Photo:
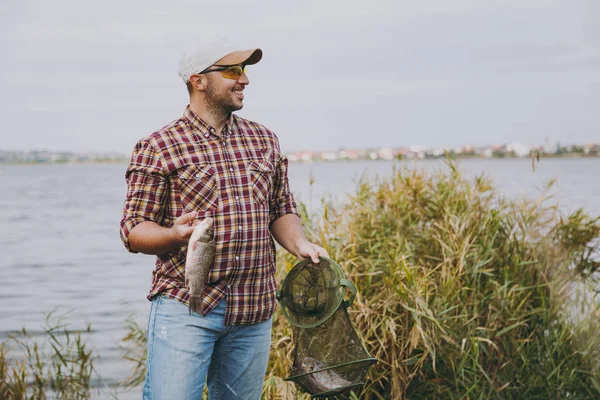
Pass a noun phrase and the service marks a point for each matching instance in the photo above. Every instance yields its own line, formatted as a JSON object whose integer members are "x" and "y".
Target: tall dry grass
{"x": 462, "y": 294}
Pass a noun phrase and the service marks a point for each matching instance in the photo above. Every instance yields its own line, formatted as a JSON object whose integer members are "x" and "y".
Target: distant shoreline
{"x": 455, "y": 156}
{"x": 63, "y": 162}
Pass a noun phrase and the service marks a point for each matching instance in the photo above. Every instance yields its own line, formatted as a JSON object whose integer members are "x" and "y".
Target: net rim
{"x": 341, "y": 281}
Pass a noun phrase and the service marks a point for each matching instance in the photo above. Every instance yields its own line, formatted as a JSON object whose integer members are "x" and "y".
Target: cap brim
{"x": 246, "y": 57}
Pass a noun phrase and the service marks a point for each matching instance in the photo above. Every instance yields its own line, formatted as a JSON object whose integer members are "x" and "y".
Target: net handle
{"x": 349, "y": 286}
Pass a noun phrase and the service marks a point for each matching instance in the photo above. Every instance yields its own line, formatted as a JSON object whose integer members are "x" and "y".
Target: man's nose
{"x": 244, "y": 79}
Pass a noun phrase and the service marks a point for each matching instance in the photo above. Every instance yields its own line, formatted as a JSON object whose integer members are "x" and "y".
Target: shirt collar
{"x": 205, "y": 129}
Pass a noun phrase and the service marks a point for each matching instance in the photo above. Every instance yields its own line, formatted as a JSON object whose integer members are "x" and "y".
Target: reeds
{"x": 61, "y": 366}
{"x": 463, "y": 294}
{"x": 134, "y": 350}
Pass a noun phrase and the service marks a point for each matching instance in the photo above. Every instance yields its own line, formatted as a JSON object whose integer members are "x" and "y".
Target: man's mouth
{"x": 239, "y": 94}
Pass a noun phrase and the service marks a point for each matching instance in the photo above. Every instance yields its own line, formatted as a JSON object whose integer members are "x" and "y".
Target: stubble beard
{"x": 219, "y": 103}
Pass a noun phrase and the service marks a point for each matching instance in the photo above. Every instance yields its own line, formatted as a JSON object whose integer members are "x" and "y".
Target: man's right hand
{"x": 183, "y": 227}
{"x": 150, "y": 238}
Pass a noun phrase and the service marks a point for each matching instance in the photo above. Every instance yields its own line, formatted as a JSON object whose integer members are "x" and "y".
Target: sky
{"x": 98, "y": 76}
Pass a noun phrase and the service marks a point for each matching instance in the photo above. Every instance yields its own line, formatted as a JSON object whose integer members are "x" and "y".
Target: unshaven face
{"x": 224, "y": 95}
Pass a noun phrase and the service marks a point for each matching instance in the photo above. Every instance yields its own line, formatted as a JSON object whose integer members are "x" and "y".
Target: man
{"x": 210, "y": 162}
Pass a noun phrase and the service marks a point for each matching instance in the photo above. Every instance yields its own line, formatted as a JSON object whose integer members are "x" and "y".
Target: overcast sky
{"x": 97, "y": 76}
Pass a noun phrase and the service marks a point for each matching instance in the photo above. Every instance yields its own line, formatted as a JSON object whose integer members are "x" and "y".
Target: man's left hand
{"x": 312, "y": 251}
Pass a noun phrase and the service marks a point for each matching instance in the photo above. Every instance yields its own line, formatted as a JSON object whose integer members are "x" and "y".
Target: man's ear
{"x": 198, "y": 82}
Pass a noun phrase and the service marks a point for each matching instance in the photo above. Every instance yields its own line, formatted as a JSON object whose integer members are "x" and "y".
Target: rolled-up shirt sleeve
{"x": 282, "y": 201}
{"x": 146, "y": 186}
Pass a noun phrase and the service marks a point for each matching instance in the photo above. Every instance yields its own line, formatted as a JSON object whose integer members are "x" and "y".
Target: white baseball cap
{"x": 203, "y": 53}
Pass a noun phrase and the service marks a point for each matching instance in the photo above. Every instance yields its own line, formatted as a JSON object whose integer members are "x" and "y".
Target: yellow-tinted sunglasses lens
{"x": 233, "y": 72}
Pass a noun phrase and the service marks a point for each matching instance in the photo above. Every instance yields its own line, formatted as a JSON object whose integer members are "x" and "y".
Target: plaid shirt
{"x": 239, "y": 179}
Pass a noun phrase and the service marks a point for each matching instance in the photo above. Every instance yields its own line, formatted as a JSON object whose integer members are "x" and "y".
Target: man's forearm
{"x": 287, "y": 231}
{"x": 150, "y": 238}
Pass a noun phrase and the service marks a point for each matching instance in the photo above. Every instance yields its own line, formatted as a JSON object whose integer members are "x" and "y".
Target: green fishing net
{"x": 329, "y": 357}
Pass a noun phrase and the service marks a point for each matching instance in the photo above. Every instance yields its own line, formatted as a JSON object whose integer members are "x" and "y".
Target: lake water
{"x": 61, "y": 250}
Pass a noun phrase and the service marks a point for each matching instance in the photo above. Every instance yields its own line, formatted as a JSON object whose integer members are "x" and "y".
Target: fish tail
{"x": 195, "y": 303}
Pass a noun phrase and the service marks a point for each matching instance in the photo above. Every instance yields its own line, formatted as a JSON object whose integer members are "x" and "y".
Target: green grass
{"x": 61, "y": 366}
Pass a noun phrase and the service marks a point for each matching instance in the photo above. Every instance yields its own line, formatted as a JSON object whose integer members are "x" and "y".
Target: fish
{"x": 199, "y": 259}
{"x": 319, "y": 380}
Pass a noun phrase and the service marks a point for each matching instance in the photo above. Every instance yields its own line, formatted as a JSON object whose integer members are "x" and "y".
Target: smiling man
{"x": 211, "y": 163}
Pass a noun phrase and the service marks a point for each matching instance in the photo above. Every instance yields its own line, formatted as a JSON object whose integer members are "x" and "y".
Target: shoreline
{"x": 455, "y": 157}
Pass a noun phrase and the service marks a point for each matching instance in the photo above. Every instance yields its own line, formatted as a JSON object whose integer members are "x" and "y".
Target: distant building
{"x": 591, "y": 149}
{"x": 385, "y": 153}
{"x": 349, "y": 154}
{"x": 520, "y": 150}
{"x": 550, "y": 147}
{"x": 306, "y": 156}
{"x": 438, "y": 152}
{"x": 329, "y": 156}
{"x": 292, "y": 157}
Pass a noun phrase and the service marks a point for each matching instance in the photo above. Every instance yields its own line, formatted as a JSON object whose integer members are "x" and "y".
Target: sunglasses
{"x": 229, "y": 72}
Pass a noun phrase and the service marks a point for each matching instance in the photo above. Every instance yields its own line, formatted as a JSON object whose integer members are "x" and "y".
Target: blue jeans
{"x": 186, "y": 349}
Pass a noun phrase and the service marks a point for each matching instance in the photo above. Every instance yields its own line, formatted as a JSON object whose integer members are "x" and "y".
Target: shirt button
{"x": 231, "y": 169}
{"x": 240, "y": 228}
{"x": 198, "y": 176}
{"x": 237, "y": 258}
{"x": 228, "y": 286}
{"x": 237, "y": 197}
